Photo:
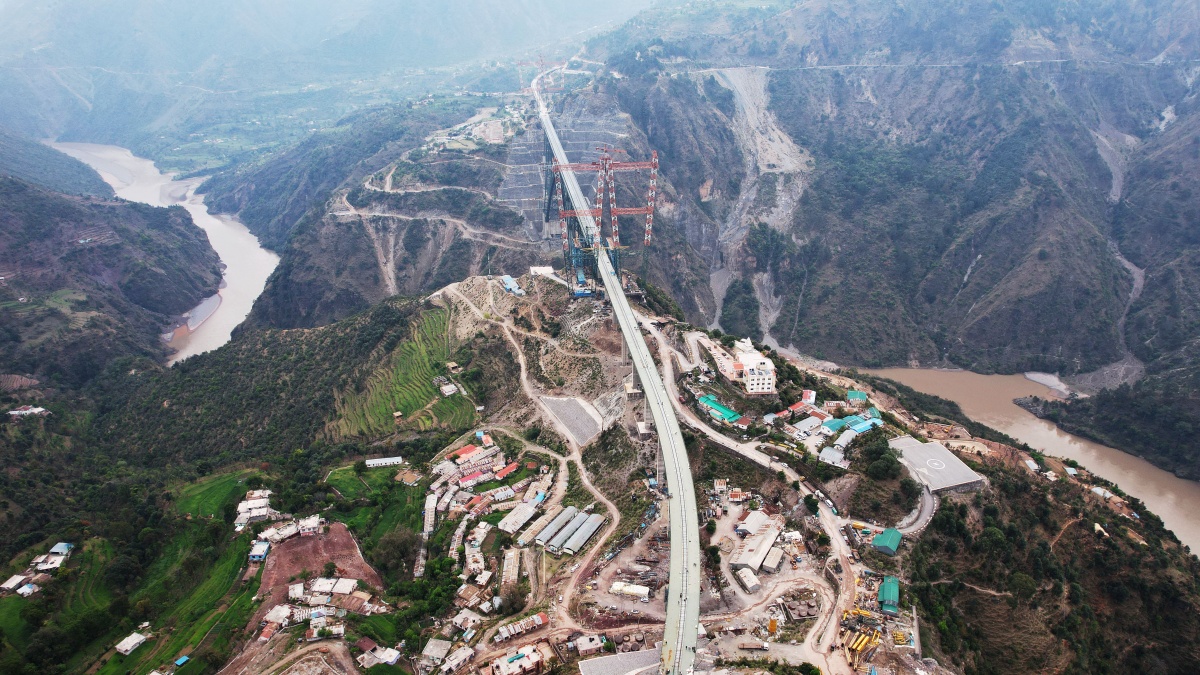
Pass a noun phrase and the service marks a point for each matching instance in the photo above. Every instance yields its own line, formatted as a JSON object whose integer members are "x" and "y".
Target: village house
{"x": 524, "y": 661}
{"x": 588, "y": 644}
{"x": 27, "y": 411}
{"x": 133, "y": 641}
{"x": 457, "y": 659}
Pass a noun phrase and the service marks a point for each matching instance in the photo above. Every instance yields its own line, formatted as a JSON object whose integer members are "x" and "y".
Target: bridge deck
{"x": 683, "y": 591}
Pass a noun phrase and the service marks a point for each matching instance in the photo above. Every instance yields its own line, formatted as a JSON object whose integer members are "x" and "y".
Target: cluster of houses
{"x": 819, "y": 420}
{"x": 254, "y": 508}
{"x": 746, "y": 366}
{"x": 40, "y": 571}
{"x": 323, "y": 602}
{"x": 522, "y": 627}
{"x": 524, "y": 660}
{"x": 304, "y": 527}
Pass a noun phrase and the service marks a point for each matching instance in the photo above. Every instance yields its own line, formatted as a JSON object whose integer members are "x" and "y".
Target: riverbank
{"x": 210, "y": 324}
{"x": 989, "y": 400}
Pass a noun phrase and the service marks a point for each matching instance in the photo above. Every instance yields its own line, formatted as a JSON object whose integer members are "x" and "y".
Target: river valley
{"x": 988, "y": 399}
{"x": 247, "y": 264}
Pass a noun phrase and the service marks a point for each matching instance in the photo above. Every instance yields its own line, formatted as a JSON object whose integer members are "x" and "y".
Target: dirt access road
{"x": 262, "y": 658}
{"x": 819, "y": 640}
{"x": 561, "y": 617}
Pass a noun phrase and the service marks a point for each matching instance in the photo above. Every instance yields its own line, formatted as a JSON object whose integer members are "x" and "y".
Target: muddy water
{"x": 247, "y": 264}
{"x": 988, "y": 399}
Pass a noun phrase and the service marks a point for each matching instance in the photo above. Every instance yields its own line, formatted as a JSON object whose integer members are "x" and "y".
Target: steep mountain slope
{"x": 272, "y": 194}
{"x": 33, "y": 162}
{"x": 944, "y": 184}
{"x": 86, "y": 280}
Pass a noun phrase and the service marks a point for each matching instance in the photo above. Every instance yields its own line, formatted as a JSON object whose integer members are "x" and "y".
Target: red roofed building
{"x": 470, "y": 479}
{"x": 464, "y": 450}
{"x": 809, "y": 396}
{"x": 366, "y": 644}
{"x": 507, "y": 471}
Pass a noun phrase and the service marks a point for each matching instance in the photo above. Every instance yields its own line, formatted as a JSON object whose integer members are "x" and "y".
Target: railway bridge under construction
{"x": 683, "y": 589}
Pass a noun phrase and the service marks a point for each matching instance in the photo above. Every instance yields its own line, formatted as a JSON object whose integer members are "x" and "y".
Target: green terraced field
{"x": 350, "y": 487}
{"x": 404, "y": 511}
{"x": 89, "y": 590}
{"x": 208, "y": 497}
{"x": 405, "y": 384}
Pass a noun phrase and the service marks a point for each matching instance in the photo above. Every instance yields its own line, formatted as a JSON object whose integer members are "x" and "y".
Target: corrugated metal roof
{"x": 557, "y": 524}
{"x": 560, "y": 539}
{"x": 889, "y": 591}
{"x": 834, "y": 424}
{"x": 888, "y": 539}
{"x": 583, "y": 534}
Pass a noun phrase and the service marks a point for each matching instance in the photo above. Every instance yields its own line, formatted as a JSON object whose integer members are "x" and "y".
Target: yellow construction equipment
{"x": 858, "y": 643}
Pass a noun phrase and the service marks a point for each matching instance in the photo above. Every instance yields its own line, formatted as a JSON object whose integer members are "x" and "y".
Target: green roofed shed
{"x": 887, "y": 541}
{"x": 889, "y": 596}
{"x": 709, "y": 401}
{"x": 856, "y": 395}
{"x": 834, "y": 424}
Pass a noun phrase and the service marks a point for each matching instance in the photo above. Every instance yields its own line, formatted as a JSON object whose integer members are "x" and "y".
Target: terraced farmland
{"x": 405, "y": 384}
{"x": 216, "y": 605}
{"x": 89, "y": 590}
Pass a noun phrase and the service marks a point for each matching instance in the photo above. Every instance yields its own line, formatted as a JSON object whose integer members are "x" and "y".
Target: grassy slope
{"x": 209, "y": 496}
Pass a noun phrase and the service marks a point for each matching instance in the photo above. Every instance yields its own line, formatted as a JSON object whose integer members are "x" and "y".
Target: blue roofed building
{"x": 866, "y": 425}
{"x": 511, "y": 285}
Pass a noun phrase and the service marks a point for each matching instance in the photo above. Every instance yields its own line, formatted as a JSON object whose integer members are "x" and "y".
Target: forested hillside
{"x": 33, "y": 162}
{"x": 86, "y": 280}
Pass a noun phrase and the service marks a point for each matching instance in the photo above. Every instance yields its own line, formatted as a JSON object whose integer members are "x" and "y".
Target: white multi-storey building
{"x": 757, "y": 371}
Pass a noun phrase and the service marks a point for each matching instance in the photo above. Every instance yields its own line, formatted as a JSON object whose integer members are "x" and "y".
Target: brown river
{"x": 988, "y": 399}
{"x": 247, "y": 264}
